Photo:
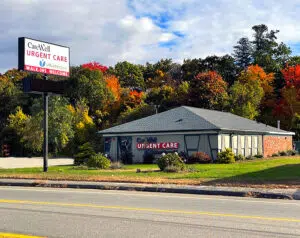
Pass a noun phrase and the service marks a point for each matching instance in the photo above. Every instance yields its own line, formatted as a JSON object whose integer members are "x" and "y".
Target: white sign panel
{"x": 42, "y": 57}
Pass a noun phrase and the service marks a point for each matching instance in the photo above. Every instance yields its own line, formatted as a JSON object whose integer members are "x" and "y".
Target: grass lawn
{"x": 279, "y": 172}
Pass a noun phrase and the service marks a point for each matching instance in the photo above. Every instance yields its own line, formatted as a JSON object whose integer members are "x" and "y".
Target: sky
{"x": 140, "y": 31}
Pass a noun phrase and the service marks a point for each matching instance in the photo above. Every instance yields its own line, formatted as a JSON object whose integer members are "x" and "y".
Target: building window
{"x": 243, "y": 145}
{"x": 219, "y": 143}
{"x": 235, "y": 145}
{"x": 226, "y": 141}
{"x": 249, "y": 141}
{"x": 255, "y": 145}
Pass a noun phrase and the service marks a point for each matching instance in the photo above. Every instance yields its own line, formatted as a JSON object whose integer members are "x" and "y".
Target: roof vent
{"x": 179, "y": 120}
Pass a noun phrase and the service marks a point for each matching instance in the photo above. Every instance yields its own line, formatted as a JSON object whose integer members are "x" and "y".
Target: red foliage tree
{"x": 95, "y": 66}
{"x": 208, "y": 90}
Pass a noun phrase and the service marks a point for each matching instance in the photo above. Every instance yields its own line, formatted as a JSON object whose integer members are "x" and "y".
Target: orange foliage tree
{"x": 113, "y": 84}
{"x": 255, "y": 72}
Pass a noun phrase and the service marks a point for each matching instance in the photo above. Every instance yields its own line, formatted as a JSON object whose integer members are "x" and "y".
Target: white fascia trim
{"x": 163, "y": 133}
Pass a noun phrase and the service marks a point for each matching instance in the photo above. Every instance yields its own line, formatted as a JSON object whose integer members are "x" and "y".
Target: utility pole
{"x": 45, "y": 146}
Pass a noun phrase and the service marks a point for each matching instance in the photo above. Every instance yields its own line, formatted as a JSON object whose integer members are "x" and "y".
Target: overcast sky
{"x": 108, "y": 31}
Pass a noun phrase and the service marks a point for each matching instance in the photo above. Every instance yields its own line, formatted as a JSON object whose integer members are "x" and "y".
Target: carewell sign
{"x": 43, "y": 57}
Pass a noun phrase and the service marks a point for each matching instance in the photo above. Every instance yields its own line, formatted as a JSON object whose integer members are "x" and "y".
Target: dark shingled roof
{"x": 193, "y": 119}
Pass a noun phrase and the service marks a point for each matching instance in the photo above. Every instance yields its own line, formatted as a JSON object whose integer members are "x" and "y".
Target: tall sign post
{"x": 49, "y": 59}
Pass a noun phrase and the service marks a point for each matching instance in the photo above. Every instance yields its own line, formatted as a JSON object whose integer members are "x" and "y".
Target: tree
{"x": 95, "y": 66}
{"x": 130, "y": 75}
{"x": 289, "y": 104}
{"x": 243, "y": 53}
{"x": 113, "y": 84}
{"x": 89, "y": 86}
{"x": 267, "y": 53}
{"x": 223, "y": 65}
{"x": 256, "y": 73}
{"x": 245, "y": 98}
{"x": 208, "y": 90}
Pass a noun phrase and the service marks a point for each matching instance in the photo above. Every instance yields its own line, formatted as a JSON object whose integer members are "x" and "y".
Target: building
{"x": 189, "y": 129}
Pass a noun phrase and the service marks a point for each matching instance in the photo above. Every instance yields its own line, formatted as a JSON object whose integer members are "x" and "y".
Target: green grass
{"x": 275, "y": 170}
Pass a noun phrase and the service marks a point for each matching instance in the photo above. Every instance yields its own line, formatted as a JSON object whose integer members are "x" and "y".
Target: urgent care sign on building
{"x": 43, "y": 57}
{"x": 157, "y": 146}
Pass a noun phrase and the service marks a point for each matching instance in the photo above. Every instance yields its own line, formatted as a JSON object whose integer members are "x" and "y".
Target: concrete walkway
{"x": 13, "y": 162}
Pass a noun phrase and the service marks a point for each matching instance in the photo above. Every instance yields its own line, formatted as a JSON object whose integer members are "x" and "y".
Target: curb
{"x": 200, "y": 190}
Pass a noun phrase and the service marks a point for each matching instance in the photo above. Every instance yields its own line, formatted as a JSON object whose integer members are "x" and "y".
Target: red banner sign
{"x": 157, "y": 146}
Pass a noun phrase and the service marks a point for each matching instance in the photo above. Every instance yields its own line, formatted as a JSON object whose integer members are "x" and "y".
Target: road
{"x": 51, "y": 212}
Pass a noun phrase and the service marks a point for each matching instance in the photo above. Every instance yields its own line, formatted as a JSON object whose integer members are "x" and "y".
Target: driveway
{"x": 13, "y": 162}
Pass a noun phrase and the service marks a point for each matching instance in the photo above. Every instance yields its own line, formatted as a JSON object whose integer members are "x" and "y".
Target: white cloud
{"x": 110, "y": 31}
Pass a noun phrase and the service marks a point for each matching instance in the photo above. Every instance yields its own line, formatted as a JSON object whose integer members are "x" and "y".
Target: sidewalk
{"x": 24, "y": 162}
{"x": 204, "y": 190}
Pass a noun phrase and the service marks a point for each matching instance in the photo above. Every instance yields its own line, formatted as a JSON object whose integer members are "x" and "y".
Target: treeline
{"x": 260, "y": 81}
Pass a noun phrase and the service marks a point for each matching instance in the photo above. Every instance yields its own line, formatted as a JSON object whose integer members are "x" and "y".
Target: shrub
{"x": 98, "y": 161}
{"x": 171, "y": 159}
{"x": 275, "y": 155}
{"x": 283, "y": 153}
{"x": 225, "y": 157}
{"x": 258, "y": 156}
{"x": 239, "y": 157}
{"x": 85, "y": 151}
{"x": 116, "y": 165}
{"x": 250, "y": 157}
{"x": 292, "y": 152}
{"x": 172, "y": 169}
{"x": 199, "y": 158}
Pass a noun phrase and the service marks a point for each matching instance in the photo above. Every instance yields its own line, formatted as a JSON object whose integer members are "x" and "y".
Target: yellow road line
{"x": 148, "y": 210}
{"x": 11, "y": 235}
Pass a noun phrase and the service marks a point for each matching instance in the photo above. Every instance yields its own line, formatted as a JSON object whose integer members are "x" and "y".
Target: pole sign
{"x": 43, "y": 57}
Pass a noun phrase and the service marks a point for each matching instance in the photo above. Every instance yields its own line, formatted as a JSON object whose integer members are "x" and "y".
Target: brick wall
{"x": 273, "y": 144}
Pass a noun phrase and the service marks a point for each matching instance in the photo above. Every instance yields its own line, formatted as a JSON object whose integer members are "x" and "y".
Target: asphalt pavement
{"x": 55, "y": 212}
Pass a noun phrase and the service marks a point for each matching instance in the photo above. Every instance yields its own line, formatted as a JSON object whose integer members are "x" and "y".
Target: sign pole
{"x": 45, "y": 149}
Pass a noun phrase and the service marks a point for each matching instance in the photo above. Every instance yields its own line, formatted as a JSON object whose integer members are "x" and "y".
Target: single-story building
{"x": 188, "y": 129}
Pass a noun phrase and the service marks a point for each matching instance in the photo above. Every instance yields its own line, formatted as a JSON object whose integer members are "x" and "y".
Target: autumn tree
{"x": 289, "y": 105}
{"x": 95, "y": 66}
{"x": 208, "y": 90}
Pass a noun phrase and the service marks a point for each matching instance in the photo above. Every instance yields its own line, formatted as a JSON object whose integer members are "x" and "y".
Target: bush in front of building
{"x": 258, "y": 156}
{"x": 169, "y": 161}
{"x": 85, "y": 151}
{"x": 199, "y": 158}
{"x": 116, "y": 165}
{"x": 292, "y": 152}
{"x": 98, "y": 161}
{"x": 239, "y": 157}
{"x": 225, "y": 157}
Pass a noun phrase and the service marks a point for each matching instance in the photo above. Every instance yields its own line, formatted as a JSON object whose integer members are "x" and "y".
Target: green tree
{"x": 267, "y": 53}
{"x": 130, "y": 75}
{"x": 245, "y": 98}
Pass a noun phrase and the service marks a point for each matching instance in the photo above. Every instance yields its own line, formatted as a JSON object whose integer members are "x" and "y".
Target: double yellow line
{"x": 147, "y": 210}
{"x": 12, "y": 235}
